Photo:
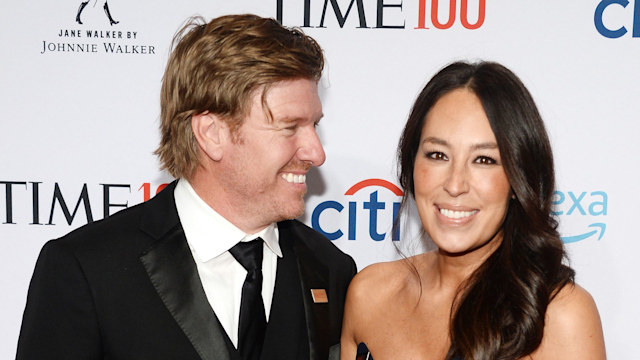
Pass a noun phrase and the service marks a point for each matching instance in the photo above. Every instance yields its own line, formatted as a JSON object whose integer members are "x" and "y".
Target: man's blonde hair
{"x": 215, "y": 67}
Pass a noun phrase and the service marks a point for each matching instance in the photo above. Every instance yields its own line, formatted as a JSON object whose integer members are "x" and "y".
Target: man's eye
{"x": 485, "y": 160}
{"x": 436, "y": 155}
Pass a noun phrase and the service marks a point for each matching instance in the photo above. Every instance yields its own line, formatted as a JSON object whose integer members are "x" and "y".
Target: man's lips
{"x": 294, "y": 178}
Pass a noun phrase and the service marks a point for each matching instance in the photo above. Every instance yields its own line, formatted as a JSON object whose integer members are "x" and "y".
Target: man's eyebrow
{"x": 292, "y": 119}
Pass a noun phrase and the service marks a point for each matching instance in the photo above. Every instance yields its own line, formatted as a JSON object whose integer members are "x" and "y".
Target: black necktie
{"x": 253, "y": 321}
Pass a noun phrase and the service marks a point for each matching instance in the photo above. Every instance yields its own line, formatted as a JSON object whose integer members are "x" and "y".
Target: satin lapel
{"x": 313, "y": 275}
{"x": 174, "y": 275}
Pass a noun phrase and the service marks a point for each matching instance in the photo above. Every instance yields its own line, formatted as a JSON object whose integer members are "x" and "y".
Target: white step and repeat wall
{"x": 79, "y": 111}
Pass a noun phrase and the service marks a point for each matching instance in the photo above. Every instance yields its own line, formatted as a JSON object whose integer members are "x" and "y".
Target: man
{"x": 169, "y": 278}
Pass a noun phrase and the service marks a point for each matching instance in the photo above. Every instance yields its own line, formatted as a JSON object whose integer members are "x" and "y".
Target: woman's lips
{"x": 457, "y": 216}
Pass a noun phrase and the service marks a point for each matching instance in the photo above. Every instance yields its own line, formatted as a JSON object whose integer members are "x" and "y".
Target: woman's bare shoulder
{"x": 572, "y": 327}
{"x": 375, "y": 296}
{"x": 386, "y": 285}
{"x": 381, "y": 308}
{"x": 382, "y": 278}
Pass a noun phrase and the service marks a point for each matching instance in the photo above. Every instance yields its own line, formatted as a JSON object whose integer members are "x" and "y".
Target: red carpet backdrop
{"x": 79, "y": 108}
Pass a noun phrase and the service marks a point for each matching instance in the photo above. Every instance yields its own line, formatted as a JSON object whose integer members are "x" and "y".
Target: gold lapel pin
{"x": 319, "y": 296}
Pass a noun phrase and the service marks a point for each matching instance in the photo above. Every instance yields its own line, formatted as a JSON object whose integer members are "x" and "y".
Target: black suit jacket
{"x": 127, "y": 288}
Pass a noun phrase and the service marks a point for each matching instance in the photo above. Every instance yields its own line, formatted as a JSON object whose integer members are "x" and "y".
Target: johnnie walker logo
{"x": 91, "y": 36}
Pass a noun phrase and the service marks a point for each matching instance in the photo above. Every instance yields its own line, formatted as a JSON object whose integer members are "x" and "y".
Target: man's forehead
{"x": 289, "y": 101}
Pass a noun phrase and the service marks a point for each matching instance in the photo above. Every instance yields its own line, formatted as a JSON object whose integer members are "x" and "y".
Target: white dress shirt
{"x": 210, "y": 236}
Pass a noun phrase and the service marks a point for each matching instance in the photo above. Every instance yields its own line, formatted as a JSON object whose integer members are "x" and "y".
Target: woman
{"x": 475, "y": 156}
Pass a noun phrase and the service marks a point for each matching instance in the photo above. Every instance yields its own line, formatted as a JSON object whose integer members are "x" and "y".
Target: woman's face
{"x": 461, "y": 189}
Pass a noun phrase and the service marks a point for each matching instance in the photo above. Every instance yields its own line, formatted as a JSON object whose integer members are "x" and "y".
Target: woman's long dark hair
{"x": 500, "y": 311}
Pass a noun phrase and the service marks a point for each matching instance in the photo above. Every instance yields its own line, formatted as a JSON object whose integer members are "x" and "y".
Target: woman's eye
{"x": 436, "y": 155}
{"x": 485, "y": 160}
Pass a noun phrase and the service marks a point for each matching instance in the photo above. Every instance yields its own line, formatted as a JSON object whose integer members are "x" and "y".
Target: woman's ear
{"x": 208, "y": 130}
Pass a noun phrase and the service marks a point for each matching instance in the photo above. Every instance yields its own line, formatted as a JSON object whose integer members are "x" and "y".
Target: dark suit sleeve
{"x": 344, "y": 274}
{"x": 59, "y": 320}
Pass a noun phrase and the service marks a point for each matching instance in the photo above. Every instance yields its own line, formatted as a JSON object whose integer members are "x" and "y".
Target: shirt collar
{"x": 208, "y": 233}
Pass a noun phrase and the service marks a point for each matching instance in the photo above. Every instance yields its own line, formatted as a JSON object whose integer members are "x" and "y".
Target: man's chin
{"x": 293, "y": 211}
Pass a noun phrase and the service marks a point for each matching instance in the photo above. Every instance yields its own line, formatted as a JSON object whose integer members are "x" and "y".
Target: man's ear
{"x": 210, "y": 132}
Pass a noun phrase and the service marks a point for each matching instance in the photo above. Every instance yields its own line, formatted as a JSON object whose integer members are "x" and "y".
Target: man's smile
{"x": 294, "y": 178}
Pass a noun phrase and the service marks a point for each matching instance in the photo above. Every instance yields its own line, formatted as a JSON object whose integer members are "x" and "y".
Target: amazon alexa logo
{"x": 375, "y": 201}
{"x": 583, "y": 212}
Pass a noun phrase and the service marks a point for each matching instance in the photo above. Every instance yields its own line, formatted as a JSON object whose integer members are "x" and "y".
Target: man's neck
{"x": 214, "y": 195}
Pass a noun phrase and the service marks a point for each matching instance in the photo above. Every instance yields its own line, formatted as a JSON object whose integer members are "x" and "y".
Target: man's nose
{"x": 311, "y": 149}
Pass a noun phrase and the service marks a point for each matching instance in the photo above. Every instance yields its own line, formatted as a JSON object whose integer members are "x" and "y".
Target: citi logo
{"x": 612, "y": 30}
{"x": 589, "y": 207}
{"x": 388, "y": 15}
{"x": 364, "y": 202}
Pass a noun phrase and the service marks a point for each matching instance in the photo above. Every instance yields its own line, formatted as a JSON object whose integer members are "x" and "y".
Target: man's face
{"x": 266, "y": 166}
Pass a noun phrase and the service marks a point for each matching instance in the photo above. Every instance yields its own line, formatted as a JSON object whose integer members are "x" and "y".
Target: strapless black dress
{"x": 363, "y": 353}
